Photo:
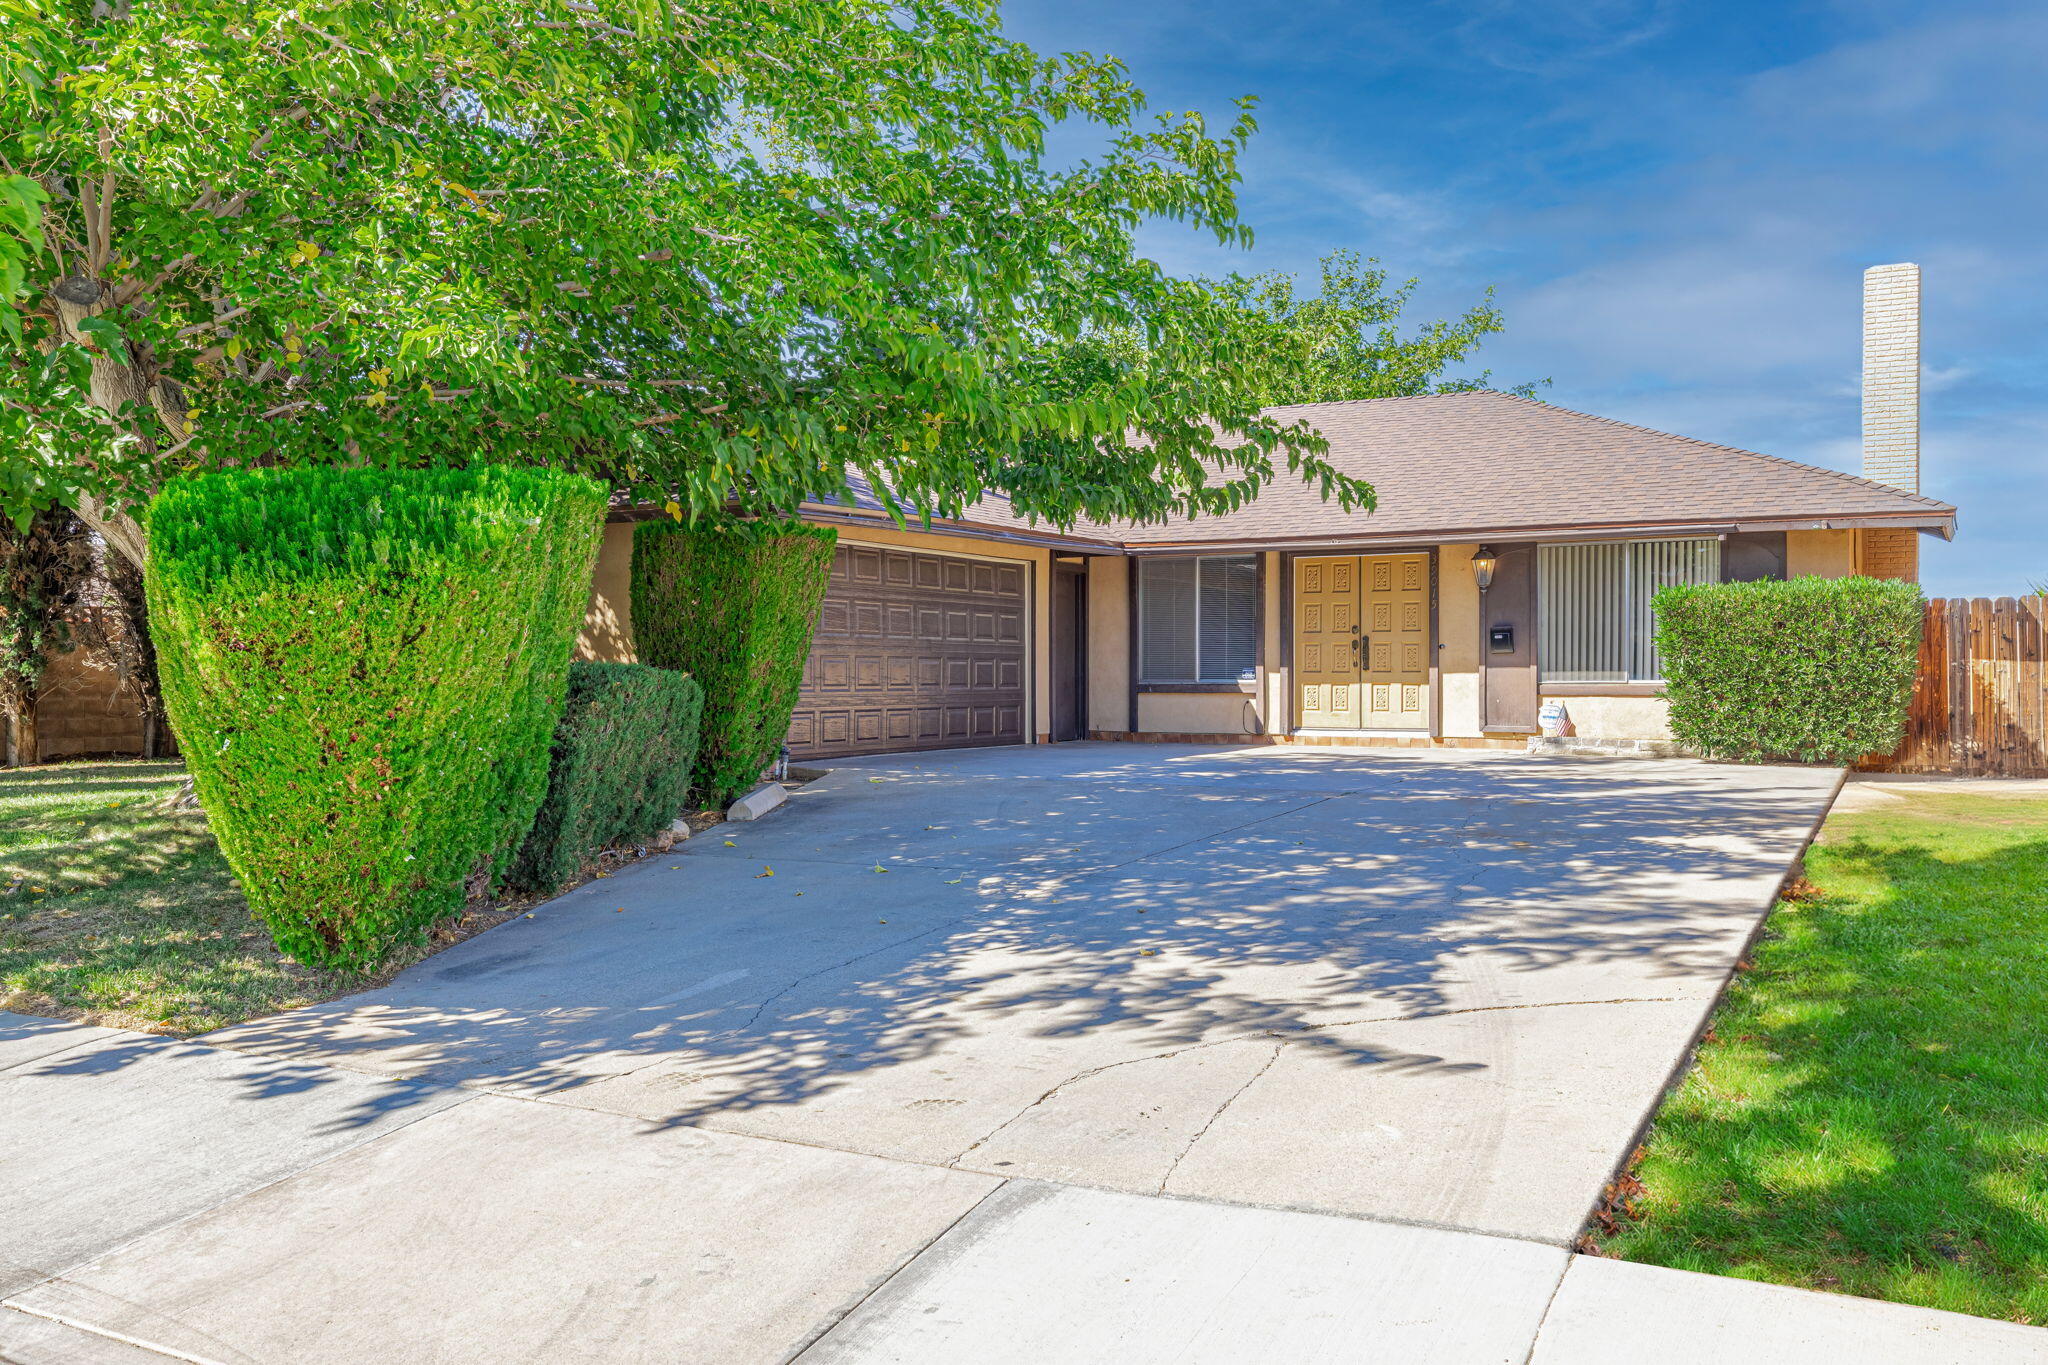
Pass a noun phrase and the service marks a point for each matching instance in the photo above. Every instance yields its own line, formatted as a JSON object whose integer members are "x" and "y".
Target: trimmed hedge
{"x": 619, "y": 771}
{"x": 1814, "y": 670}
{"x": 733, "y": 604}
{"x": 365, "y": 667}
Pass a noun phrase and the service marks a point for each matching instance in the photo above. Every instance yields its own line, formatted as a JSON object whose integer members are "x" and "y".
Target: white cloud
{"x": 1553, "y": 40}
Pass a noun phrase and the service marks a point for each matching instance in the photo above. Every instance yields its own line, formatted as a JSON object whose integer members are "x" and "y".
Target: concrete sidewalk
{"x": 350, "y": 1219}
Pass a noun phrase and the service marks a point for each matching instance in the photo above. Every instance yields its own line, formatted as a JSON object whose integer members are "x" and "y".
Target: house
{"x": 1510, "y": 561}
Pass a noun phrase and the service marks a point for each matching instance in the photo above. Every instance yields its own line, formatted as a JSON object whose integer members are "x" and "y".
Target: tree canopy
{"x": 1345, "y": 341}
{"x": 703, "y": 249}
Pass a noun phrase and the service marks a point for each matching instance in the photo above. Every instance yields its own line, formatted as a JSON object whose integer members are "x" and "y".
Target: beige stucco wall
{"x": 1618, "y": 717}
{"x": 607, "y": 635}
{"x": 1828, "y": 554}
{"x": 1198, "y": 713}
{"x": 1109, "y": 643}
{"x": 1457, "y": 613}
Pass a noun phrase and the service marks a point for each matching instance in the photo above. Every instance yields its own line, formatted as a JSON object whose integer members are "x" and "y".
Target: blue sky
{"x": 1675, "y": 201}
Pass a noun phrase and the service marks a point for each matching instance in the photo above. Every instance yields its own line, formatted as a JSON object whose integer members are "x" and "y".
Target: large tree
{"x": 704, "y": 249}
{"x": 1346, "y": 340}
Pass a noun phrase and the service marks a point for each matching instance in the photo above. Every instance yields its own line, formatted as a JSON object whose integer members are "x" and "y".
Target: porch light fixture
{"x": 1483, "y": 561}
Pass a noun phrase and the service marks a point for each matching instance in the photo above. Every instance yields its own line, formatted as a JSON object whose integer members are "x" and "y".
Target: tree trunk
{"x": 126, "y": 384}
{"x": 24, "y": 742}
{"x": 122, "y": 533}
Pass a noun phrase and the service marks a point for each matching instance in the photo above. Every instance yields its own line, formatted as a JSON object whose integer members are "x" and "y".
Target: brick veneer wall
{"x": 85, "y": 709}
{"x": 1891, "y": 376}
{"x": 1890, "y": 554}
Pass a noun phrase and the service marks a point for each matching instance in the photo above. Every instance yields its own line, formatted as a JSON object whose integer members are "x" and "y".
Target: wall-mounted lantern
{"x": 1483, "y": 562}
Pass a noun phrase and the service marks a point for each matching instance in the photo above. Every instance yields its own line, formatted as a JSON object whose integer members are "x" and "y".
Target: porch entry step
{"x": 1304, "y": 733}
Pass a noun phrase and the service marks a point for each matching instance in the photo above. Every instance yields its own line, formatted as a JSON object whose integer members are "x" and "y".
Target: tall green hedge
{"x": 365, "y": 668}
{"x": 620, "y": 768}
{"x": 1815, "y": 670}
{"x": 733, "y": 604}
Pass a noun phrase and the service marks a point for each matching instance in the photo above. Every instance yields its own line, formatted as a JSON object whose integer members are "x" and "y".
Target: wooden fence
{"x": 1980, "y": 706}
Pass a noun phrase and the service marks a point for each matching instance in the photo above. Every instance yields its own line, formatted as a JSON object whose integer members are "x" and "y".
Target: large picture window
{"x": 1594, "y": 605}
{"x": 1198, "y": 619}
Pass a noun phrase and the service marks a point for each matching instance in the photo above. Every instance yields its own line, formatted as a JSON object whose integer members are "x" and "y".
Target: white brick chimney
{"x": 1891, "y": 375}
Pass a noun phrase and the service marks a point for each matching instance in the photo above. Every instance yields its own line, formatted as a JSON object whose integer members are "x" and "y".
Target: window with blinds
{"x": 1198, "y": 619}
{"x": 1595, "y": 622}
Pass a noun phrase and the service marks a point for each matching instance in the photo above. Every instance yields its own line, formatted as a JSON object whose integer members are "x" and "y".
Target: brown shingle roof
{"x": 1463, "y": 466}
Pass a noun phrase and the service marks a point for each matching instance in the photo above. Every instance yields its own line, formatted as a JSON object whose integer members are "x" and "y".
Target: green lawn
{"x": 114, "y": 912}
{"x": 1870, "y": 1110}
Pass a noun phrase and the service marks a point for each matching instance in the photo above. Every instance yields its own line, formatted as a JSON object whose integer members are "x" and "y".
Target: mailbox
{"x": 1501, "y": 640}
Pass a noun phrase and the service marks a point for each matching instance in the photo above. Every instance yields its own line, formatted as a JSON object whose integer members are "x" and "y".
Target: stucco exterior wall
{"x": 1198, "y": 713}
{"x": 1275, "y": 680}
{"x": 1457, "y": 655}
{"x": 1618, "y": 717}
{"x": 607, "y": 634}
{"x": 1109, "y": 643}
{"x": 1827, "y": 554}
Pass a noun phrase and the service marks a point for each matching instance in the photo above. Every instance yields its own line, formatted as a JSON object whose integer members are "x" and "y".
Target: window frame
{"x": 1249, "y": 676}
{"x": 1626, "y": 617}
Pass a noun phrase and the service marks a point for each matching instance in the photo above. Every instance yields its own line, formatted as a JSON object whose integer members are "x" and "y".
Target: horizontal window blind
{"x": 1198, "y": 619}
{"x": 1596, "y": 623}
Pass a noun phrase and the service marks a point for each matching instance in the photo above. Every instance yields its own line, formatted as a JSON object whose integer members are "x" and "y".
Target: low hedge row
{"x": 365, "y": 668}
{"x": 734, "y": 605}
{"x": 619, "y": 771}
{"x": 1816, "y": 670}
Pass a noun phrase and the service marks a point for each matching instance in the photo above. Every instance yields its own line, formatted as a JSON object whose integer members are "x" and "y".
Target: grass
{"x": 114, "y": 911}
{"x": 1869, "y": 1112}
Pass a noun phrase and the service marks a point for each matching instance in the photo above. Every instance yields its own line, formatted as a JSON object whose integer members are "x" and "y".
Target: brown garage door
{"x": 913, "y": 651}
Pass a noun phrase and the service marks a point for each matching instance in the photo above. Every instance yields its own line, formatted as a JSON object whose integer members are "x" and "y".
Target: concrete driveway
{"x": 963, "y": 1013}
{"x": 1442, "y": 988}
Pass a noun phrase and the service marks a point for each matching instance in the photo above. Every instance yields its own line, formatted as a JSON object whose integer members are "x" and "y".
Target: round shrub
{"x": 1814, "y": 670}
{"x": 619, "y": 771}
{"x": 734, "y": 605}
{"x": 365, "y": 667}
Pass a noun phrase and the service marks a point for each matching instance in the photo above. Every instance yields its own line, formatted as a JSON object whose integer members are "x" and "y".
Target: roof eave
{"x": 1942, "y": 524}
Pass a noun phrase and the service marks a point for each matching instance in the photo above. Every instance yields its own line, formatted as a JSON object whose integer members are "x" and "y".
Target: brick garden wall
{"x": 85, "y": 709}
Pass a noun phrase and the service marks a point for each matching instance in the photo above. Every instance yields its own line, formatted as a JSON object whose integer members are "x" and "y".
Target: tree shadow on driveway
{"x": 921, "y": 953}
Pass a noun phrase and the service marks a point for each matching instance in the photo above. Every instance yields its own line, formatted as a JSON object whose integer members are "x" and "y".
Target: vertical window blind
{"x": 1198, "y": 619}
{"x": 1594, "y": 603}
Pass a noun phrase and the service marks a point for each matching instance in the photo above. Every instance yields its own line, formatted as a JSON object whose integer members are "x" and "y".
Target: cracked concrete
{"x": 1424, "y": 989}
{"x": 1443, "y": 987}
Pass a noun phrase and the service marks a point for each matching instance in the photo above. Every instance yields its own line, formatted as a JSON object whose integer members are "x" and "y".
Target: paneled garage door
{"x": 913, "y": 651}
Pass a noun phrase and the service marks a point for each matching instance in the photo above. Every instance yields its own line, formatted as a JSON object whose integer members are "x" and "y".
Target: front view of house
{"x": 1511, "y": 560}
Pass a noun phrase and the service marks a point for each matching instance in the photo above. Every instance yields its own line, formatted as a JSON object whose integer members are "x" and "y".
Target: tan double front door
{"x": 1361, "y": 642}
